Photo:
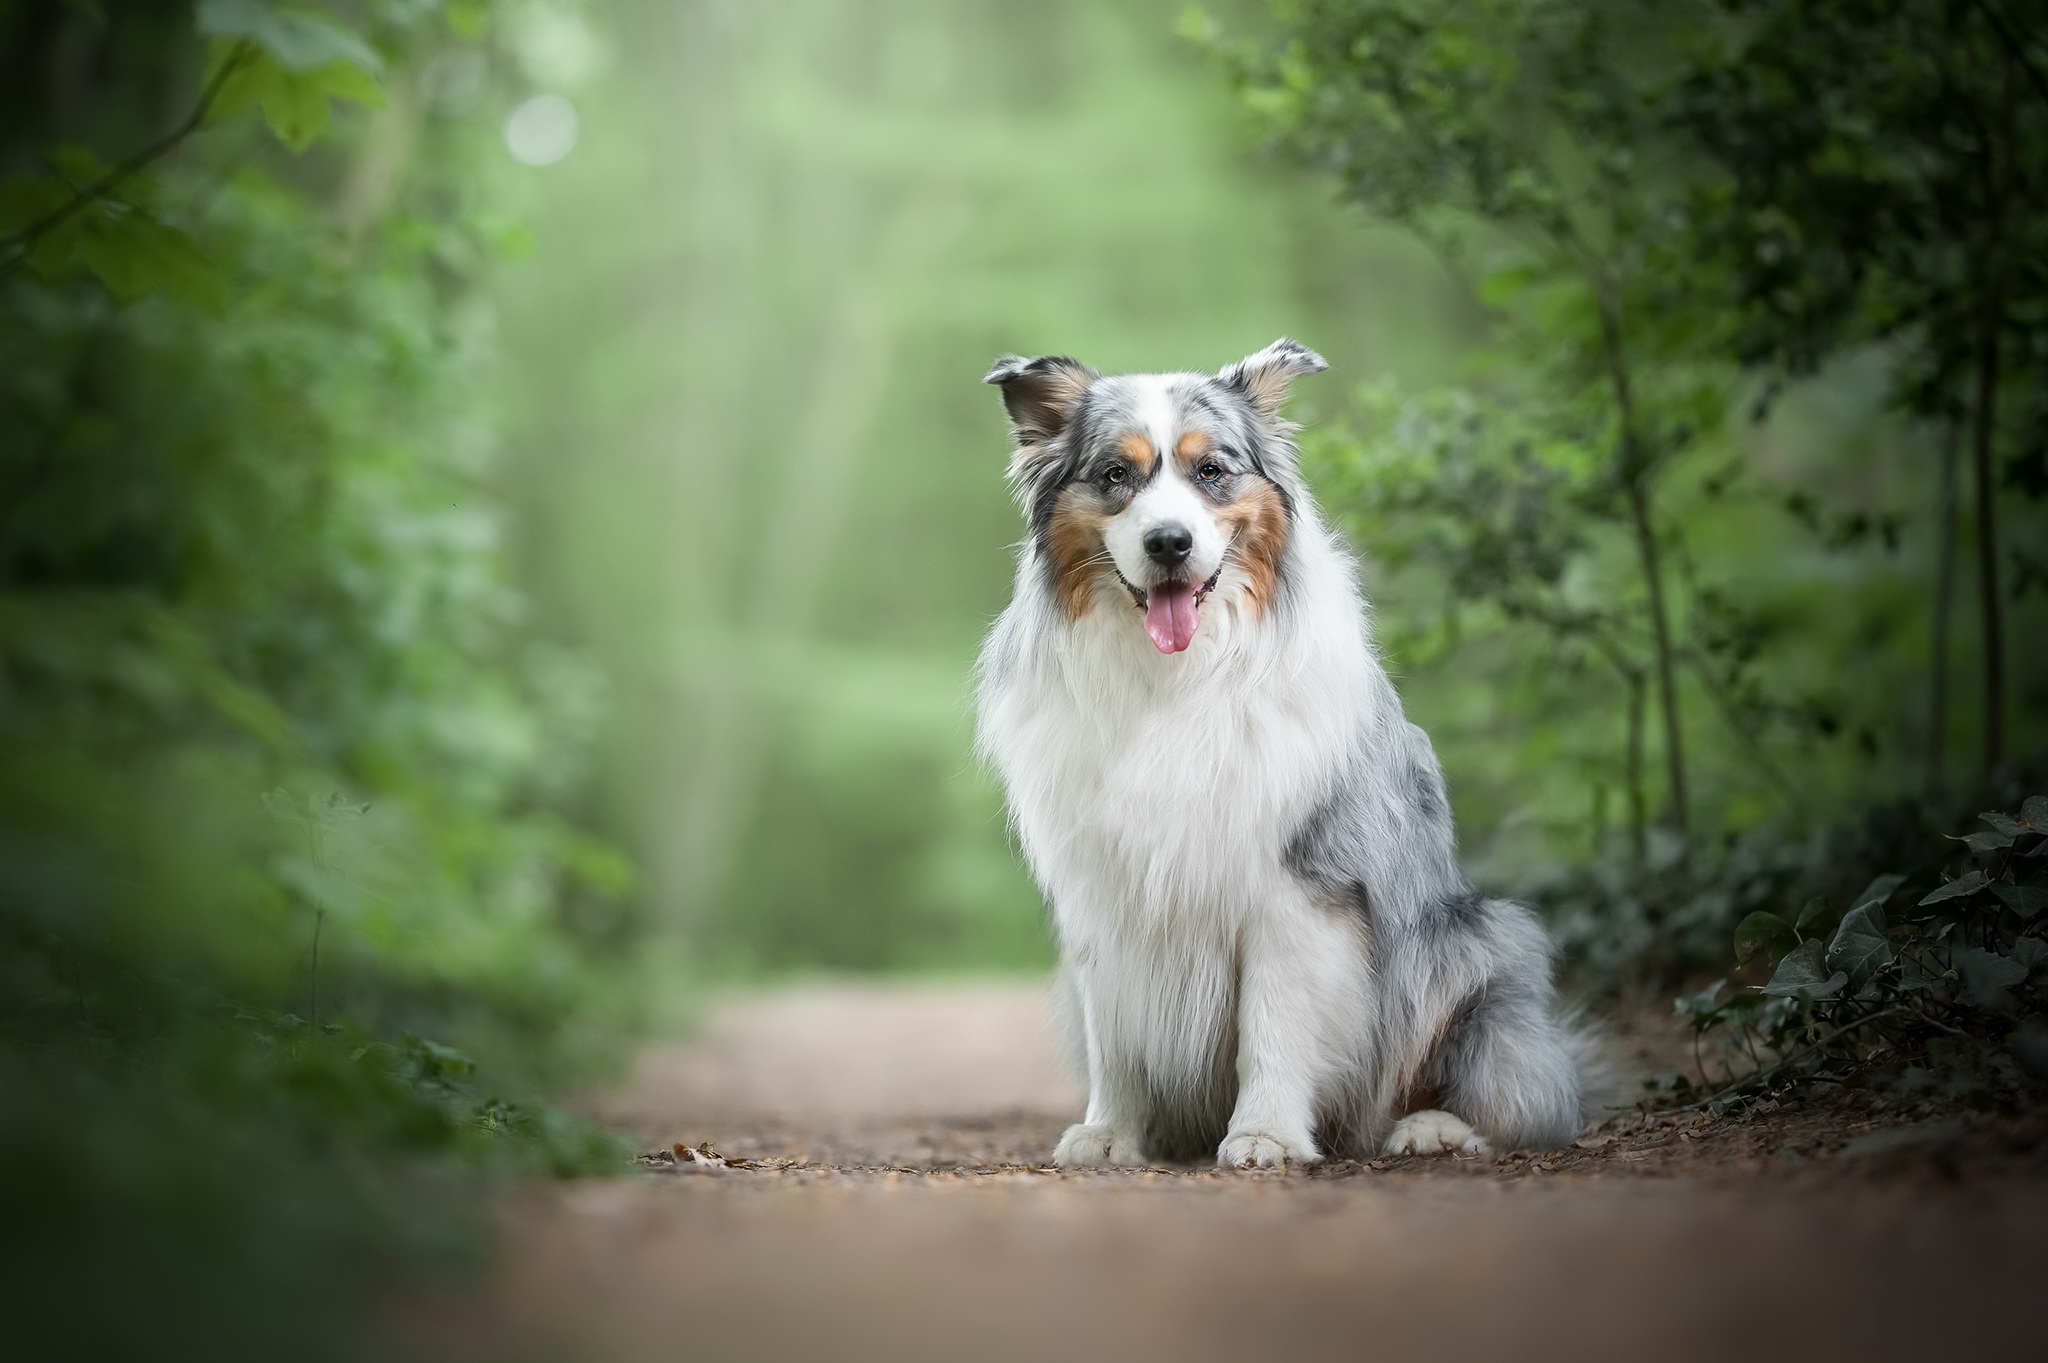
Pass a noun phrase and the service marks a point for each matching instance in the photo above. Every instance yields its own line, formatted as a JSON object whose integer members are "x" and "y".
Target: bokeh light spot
{"x": 542, "y": 130}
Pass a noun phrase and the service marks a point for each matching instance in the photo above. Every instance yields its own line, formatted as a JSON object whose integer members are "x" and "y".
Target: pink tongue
{"x": 1171, "y": 616}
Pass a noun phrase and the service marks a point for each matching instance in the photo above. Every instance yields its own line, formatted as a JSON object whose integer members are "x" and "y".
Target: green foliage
{"x": 1877, "y": 169}
{"x": 282, "y": 772}
{"x": 1934, "y": 977}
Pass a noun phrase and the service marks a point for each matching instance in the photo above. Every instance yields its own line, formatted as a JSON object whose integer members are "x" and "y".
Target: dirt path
{"x": 887, "y": 1199}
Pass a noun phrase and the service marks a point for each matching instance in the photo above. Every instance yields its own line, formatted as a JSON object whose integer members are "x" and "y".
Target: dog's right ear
{"x": 1040, "y": 395}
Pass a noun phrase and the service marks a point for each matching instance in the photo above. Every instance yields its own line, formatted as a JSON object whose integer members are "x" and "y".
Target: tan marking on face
{"x": 1191, "y": 450}
{"x": 1139, "y": 451}
{"x": 1255, "y": 523}
{"x": 1080, "y": 561}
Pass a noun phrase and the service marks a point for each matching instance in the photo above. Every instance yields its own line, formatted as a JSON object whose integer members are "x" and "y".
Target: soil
{"x": 841, "y": 1171}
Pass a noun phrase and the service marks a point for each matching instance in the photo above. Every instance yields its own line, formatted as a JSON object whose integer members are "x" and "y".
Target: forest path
{"x": 890, "y": 1200}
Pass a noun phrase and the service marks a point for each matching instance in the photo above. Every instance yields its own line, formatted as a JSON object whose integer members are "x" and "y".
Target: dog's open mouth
{"x": 1172, "y": 610}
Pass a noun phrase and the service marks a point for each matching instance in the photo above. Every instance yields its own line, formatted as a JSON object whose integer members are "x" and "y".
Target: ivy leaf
{"x": 2034, "y": 813}
{"x": 1802, "y": 974}
{"x": 1957, "y": 888}
{"x": 2024, "y": 900}
{"x": 1988, "y": 979}
{"x": 1877, "y": 893}
{"x": 298, "y": 41}
{"x": 2029, "y": 953}
{"x": 2004, "y": 823}
{"x": 1983, "y": 842}
{"x": 1765, "y": 932}
{"x": 1702, "y": 1007}
{"x": 1860, "y": 947}
{"x": 1815, "y": 919}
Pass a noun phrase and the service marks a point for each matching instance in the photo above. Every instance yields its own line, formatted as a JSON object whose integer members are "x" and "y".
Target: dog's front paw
{"x": 1264, "y": 1150}
{"x": 1095, "y": 1145}
{"x": 1433, "y": 1132}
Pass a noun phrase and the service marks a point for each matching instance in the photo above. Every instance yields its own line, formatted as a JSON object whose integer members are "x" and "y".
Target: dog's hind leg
{"x": 1508, "y": 1063}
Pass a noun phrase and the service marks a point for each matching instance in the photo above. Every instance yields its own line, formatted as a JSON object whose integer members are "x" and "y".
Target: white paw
{"x": 1264, "y": 1150}
{"x": 1091, "y": 1146}
{"x": 1431, "y": 1132}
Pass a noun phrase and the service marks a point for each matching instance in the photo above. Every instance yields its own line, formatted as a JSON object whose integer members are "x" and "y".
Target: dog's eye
{"x": 1209, "y": 472}
{"x": 1115, "y": 473}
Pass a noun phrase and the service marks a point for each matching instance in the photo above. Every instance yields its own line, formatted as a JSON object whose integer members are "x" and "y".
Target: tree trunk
{"x": 1667, "y": 678}
{"x": 1638, "y": 818}
{"x": 1635, "y": 479}
{"x": 1991, "y": 321}
{"x": 1944, "y": 598}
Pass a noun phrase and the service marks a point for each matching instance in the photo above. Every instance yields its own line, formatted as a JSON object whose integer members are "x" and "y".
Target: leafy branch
{"x": 24, "y": 242}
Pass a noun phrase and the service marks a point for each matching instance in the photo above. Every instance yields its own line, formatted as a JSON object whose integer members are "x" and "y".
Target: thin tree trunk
{"x": 1635, "y": 478}
{"x": 1944, "y": 599}
{"x": 1989, "y": 605}
{"x": 1667, "y": 678}
{"x": 1638, "y": 818}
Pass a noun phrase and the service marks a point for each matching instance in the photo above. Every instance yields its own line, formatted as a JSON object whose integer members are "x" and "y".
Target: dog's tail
{"x": 1590, "y": 1044}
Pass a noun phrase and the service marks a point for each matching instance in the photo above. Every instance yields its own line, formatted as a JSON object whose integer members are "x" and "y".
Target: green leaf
{"x": 2004, "y": 823}
{"x": 1983, "y": 842}
{"x": 1955, "y": 889}
{"x": 1803, "y": 975}
{"x": 1860, "y": 947}
{"x": 27, "y": 199}
{"x": 345, "y": 80}
{"x": 299, "y": 41}
{"x": 296, "y": 110}
{"x": 81, "y": 166}
{"x": 135, "y": 254}
{"x": 1988, "y": 979}
{"x": 2024, "y": 900}
{"x": 1765, "y": 932}
{"x": 1815, "y": 919}
{"x": 1702, "y": 1007}
{"x": 294, "y": 103}
{"x": 1878, "y": 892}
{"x": 467, "y": 18}
{"x": 2034, "y": 813}
{"x": 2030, "y": 953}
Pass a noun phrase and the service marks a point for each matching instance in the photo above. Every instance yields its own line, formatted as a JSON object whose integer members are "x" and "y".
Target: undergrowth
{"x": 1931, "y": 982}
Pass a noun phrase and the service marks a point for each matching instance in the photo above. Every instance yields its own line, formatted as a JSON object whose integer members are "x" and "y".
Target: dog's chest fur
{"x": 1157, "y": 796}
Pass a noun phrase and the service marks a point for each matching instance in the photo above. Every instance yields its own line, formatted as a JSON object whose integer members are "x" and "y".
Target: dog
{"x": 1268, "y": 949}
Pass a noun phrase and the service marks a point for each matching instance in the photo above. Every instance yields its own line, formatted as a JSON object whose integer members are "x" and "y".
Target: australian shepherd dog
{"x": 1268, "y": 949}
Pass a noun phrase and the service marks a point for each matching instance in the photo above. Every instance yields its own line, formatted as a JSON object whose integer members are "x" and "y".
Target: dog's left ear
{"x": 1263, "y": 378}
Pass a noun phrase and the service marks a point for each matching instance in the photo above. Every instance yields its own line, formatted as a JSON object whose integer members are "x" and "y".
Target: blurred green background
{"x": 757, "y": 474}
{"x": 499, "y": 506}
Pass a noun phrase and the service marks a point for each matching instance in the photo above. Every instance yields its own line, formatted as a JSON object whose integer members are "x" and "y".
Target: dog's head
{"x": 1157, "y": 489}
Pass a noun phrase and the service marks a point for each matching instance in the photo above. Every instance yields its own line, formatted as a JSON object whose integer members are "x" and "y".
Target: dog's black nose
{"x": 1168, "y": 545}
